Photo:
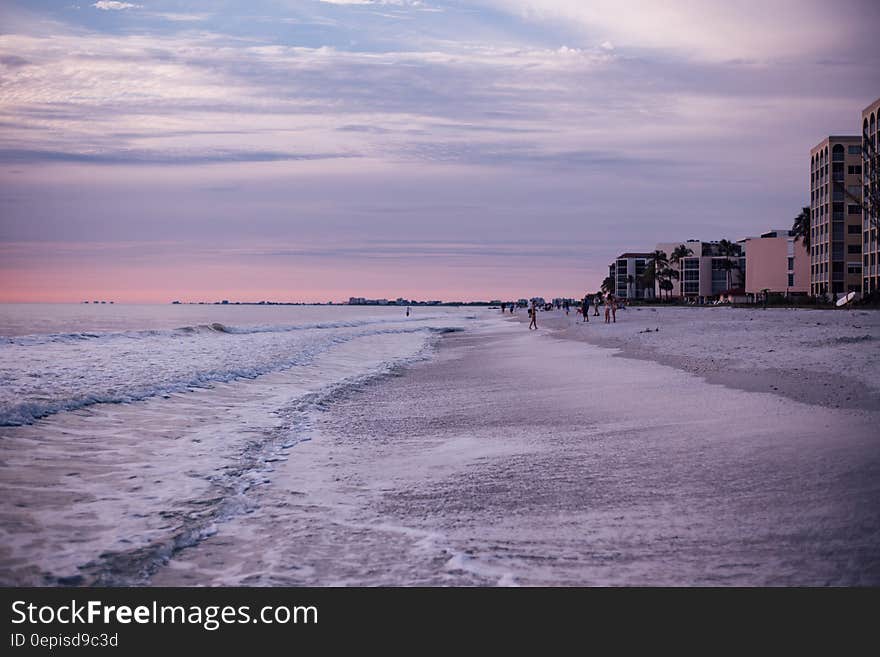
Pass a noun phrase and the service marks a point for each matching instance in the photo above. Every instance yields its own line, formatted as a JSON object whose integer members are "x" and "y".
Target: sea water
{"x": 57, "y": 358}
{"x": 129, "y": 432}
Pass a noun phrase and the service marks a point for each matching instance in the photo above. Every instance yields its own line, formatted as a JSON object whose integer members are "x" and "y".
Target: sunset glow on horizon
{"x": 314, "y": 150}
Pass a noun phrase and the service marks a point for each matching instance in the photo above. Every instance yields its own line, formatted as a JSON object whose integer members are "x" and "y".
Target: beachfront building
{"x": 836, "y": 216}
{"x": 703, "y": 275}
{"x": 870, "y": 192}
{"x": 627, "y": 271}
{"x": 776, "y": 262}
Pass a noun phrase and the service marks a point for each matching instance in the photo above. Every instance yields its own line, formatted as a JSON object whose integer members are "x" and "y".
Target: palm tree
{"x": 649, "y": 277}
{"x": 680, "y": 253}
{"x": 801, "y": 227}
{"x": 731, "y": 250}
{"x": 666, "y": 277}
{"x": 658, "y": 261}
{"x": 608, "y": 285}
{"x": 728, "y": 265}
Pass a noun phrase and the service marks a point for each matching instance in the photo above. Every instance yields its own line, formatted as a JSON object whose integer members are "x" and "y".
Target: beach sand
{"x": 530, "y": 458}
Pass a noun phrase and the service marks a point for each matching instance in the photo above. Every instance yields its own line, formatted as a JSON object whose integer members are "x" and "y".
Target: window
{"x": 790, "y": 264}
{"x": 854, "y": 170}
{"x": 837, "y": 153}
{"x": 853, "y": 229}
{"x": 854, "y": 190}
{"x": 853, "y": 209}
{"x": 854, "y": 149}
{"x": 854, "y": 248}
{"x": 853, "y": 268}
{"x": 791, "y": 280}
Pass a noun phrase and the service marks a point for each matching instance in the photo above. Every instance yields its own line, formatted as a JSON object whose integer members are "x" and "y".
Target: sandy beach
{"x": 525, "y": 459}
{"x": 571, "y": 455}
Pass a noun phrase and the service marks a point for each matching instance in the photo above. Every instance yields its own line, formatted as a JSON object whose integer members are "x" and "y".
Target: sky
{"x": 312, "y": 150}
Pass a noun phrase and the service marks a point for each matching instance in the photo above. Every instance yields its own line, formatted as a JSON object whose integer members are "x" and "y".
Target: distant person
{"x": 503, "y": 308}
{"x": 565, "y": 306}
{"x": 607, "y": 310}
{"x": 407, "y": 311}
{"x": 533, "y": 317}
{"x": 613, "y": 309}
{"x": 596, "y": 303}
{"x": 585, "y": 308}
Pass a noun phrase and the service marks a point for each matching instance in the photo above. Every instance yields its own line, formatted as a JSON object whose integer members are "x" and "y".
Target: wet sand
{"x": 824, "y": 357}
{"x": 515, "y": 457}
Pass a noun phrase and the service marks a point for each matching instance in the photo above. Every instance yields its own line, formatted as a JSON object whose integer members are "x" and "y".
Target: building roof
{"x": 871, "y": 106}
{"x": 633, "y": 255}
{"x": 832, "y": 138}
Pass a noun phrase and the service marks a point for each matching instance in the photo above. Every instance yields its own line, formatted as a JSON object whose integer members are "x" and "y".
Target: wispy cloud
{"x": 113, "y": 5}
{"x": 607, "y": 125}
{"x": 143, "y": 157}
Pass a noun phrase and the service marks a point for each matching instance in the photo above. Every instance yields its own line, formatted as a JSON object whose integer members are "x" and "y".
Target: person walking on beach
{"x": 597, "y": 300}
{"x": 608, "y": 309}
{"x": 586, "y": 308}
{"x": 614, "y": 310}
{"x": 533, "y": 317}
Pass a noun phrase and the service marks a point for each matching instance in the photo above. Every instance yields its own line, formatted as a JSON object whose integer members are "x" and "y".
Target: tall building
{"x": 836, "y": 216}
{"x": 870, "y": 197}
{"x": 703, "y": 274}
{"x": 777, "y": 262}
{"x": 627, "y": 271}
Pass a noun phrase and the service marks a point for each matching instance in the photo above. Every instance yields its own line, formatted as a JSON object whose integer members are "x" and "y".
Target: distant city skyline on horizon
{"x": 439, "y": 149}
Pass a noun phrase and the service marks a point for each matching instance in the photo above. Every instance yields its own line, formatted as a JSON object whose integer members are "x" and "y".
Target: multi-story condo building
{"x": 703, "y": 274}
{"x": 836, "y": 216}
{"x": 777, "y": 262}
{"x": 870, "y": 197}
{"x": 627, "y": 271}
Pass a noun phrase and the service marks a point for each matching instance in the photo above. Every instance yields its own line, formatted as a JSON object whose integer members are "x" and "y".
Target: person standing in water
{"x": 586, "y": 308}
{"x": 407, "y": 311}
{"x": 533, "y": 317}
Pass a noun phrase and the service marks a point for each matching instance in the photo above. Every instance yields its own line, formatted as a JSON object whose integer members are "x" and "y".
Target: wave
{"x": 231, "y": 493}
{"x": 27, "y": 412}
{"x": 195, "y": 330}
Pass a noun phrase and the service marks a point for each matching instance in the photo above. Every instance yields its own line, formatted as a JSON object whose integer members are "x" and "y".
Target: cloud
{"x": 113, "y": 5}
{"x": 746, "y": 29}
{"x": 406, "y": 3}
{"x": 135, "y": 157}
{"x": 535, "y": 120}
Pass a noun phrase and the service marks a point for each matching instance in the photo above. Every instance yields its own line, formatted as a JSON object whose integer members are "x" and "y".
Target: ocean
{"x": 56, "y": 358}
{"x": 340, "y": 446}
{"x": 129, "y": 431}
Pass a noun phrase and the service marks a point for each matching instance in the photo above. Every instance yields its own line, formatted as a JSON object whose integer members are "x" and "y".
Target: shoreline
{"x": 514, "y": 459}
{"x": 508, "y": 458}
{"x": 801, "y": 383}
